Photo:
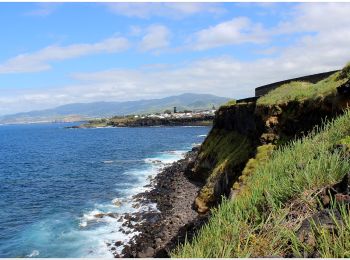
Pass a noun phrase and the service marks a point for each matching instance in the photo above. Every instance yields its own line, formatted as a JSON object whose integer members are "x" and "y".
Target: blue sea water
{"x": 53, "y": 181}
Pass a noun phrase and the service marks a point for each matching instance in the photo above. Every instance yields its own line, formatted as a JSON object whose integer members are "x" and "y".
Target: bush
{"x": 345, "y": 72}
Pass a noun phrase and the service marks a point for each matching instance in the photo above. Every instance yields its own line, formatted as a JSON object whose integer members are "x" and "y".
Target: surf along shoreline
{"x": 159, "y": 231}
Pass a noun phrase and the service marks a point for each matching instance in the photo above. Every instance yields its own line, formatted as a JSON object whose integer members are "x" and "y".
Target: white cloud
{"x": 135, "y": 30}
{"x": 43, "y": 9}
{"x": 236, "y": 31}
{"x": 40, "y": 60}
{"x": 326, "y": 48}
{"x": 317, "y": 17}
{"x": 223, "y": 76}
{"x": 157, "y": 37}
{"x": 169, "y": 10}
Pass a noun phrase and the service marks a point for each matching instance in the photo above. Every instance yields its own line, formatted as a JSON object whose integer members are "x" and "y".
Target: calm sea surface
{"x": 53, "y": 181}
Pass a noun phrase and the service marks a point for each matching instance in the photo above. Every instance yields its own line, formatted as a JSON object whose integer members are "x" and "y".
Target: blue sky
{"x": 58, "y": 53}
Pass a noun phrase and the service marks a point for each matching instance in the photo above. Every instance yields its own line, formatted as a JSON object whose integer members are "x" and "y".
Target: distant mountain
{"x": 84, "y": 111}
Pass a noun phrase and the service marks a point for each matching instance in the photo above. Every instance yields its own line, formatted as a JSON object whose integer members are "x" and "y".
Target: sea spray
{"x": 116, "y": 213}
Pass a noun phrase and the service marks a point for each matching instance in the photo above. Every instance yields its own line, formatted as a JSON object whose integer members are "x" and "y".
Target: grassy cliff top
{"x": 229, "y": 103}
{"x": 300, "y": 91}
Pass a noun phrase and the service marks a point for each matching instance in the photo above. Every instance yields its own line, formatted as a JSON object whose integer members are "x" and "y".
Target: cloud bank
{"x": 321, "y": 43}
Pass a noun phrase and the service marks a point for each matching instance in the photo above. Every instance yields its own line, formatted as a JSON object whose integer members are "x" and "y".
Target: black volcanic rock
{"x": 160, "y": 232}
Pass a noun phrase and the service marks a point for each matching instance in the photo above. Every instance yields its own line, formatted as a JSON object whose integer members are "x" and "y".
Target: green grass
{"x": 345, "y": 140}
{"x": 300, "y": 91}
{"x": 96, "y": 123}
{"x": 220, "y": 144}
{"x": 263, "y": 154}
{"x": 345, "y": 72}
{"x": 229, "y": 103}
{"x": 330, "y": 243}
{"x": 254, "y": 223}
{"x": 225, "y": 150}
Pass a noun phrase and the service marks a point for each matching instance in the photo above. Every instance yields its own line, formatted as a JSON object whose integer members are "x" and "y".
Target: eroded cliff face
{"x": 295, "y": 118}
{"x": 244, "y": 135}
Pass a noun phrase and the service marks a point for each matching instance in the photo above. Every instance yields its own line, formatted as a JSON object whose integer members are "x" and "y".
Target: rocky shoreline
{"x": 160, "y": 231}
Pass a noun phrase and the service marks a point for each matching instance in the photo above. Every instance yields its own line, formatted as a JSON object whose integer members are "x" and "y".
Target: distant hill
{"x": 84, "y": 111}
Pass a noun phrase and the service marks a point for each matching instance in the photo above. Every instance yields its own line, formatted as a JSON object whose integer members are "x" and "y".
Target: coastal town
{"x": 167, "y": 118}
{"x": 180, "y": 114}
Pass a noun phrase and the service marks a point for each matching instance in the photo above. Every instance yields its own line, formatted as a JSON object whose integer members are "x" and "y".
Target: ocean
{"x": 55, "y": 181}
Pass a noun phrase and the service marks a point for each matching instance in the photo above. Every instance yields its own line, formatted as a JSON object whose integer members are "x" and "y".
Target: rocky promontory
{"x": 150, "y": 121}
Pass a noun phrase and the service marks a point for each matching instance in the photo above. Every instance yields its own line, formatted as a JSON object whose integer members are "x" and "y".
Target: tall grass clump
{"x": 263, "y": 154}
{"x": 345, "y": 72}
{"x": 254, "y": 223}
{"x": 330, "y": 242}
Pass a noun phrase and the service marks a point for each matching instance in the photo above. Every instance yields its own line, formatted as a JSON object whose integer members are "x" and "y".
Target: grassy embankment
{"x": 301, "y": 91}
{"x": 257, "y": 221}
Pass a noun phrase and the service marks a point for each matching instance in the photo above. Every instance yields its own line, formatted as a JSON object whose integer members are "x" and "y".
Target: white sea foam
{"x": 108, "y": 231}
{"x": 166, "y": 157}
{"x": 98, "y": 127}
{"x": 201, "y": 135}
{"x": 108, "y": 161}
{"x": 87, "y": 217}
{"x": 193, "y": 126}
{"x": 120, "y": 161}
{"x": 127, "y": 161}
{"x": 34, "y": 253}
{"x": 153, "y": 161}
{"x": 109, "y": 228}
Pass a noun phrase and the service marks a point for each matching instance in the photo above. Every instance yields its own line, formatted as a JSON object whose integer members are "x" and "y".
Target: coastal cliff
{"x": 265, "y": 173}
{"x": 262, "y": 160}
{"x": 239, "y": 130}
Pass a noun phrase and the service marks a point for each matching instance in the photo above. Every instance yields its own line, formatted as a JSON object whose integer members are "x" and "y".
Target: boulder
{"x": 99, "y": 215}
{"x": 111, "y": 215}
{"x": 118, "y": 243}
{"x": 146, "y": 253}
{"x": 117, "y": 202}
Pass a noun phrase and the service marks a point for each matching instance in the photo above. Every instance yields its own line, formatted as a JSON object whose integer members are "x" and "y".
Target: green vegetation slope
{"x": 279, "y": 185}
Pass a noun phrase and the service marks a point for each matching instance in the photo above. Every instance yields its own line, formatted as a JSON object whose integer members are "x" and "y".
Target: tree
{"x": 168, "y": 111}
